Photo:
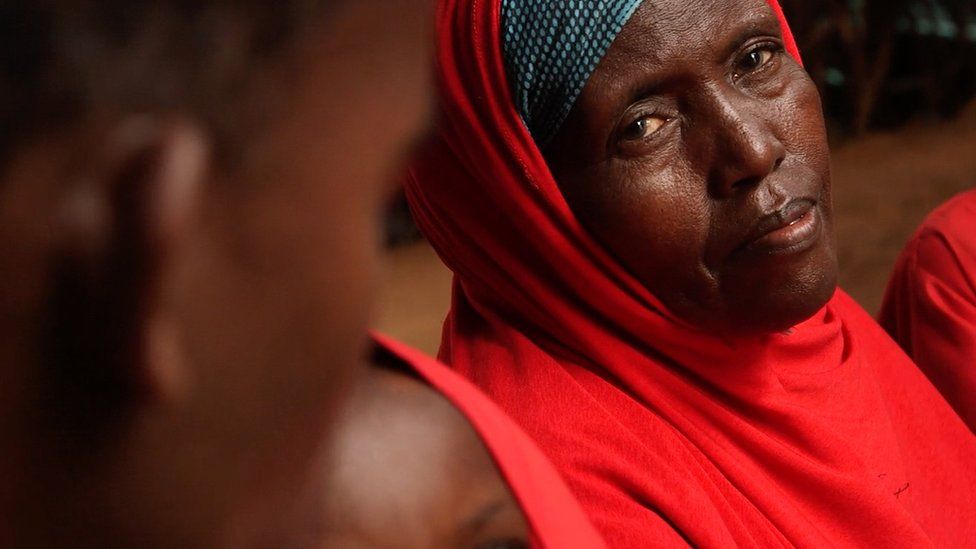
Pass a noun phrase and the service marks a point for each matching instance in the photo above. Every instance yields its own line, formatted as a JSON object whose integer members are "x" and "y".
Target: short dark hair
{"x": 61, "y": 58}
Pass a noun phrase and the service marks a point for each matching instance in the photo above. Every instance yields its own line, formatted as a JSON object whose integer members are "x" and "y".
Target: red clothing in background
{"x": 930, "y": 305}
{"x": 554, "y": 516}
{"x": 826, "y": 436}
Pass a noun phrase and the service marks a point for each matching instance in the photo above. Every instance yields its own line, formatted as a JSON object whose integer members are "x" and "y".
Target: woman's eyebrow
{"x": 747, "y": 28}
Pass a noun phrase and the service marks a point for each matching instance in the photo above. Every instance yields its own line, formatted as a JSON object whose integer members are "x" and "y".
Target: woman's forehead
{"x": 669, "y": 43}
{"x": 661, "y": 29}
{"x": 557, "y": 54}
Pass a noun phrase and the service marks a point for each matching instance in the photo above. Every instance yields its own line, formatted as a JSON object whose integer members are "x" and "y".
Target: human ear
{"x": 120, "y": 224}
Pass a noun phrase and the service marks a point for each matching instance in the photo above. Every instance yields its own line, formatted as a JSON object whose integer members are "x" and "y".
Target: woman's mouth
{"x": 791, "y": 229}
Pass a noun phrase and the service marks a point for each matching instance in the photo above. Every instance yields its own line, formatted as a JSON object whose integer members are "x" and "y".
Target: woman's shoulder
{"x": 456, "y": 422}
{"x": 406, "y": 469}
{"x": 943, "y": 250}
{"x": 954, "y": 220}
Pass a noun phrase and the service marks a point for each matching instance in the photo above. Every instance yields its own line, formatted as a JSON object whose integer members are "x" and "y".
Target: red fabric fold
{"x": 930, "y": 304}
{"x": 554, "y": 516}
{"x": 828, "y": 435}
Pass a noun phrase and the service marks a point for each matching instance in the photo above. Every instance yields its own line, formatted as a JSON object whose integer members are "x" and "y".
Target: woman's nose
{"x": 746, "y": 149}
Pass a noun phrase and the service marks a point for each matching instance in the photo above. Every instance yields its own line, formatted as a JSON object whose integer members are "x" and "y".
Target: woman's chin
{"x": 777, "y": 296}
{"x": 781, "y": 309}
{"x": 762, "y": 309}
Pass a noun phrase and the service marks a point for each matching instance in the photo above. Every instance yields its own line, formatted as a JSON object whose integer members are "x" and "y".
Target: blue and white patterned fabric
{"x": 551, "y": 48}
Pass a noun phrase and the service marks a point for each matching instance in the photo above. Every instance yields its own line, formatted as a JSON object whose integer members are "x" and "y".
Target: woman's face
{"x": 697, "y": 155}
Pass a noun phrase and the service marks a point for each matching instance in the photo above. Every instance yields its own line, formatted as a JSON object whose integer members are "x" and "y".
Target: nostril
{"x": 747, "y": 182}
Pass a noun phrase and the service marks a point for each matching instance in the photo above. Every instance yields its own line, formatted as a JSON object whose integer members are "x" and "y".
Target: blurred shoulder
{"x": 395, "y": 419}
{"x": 408, "y": 470}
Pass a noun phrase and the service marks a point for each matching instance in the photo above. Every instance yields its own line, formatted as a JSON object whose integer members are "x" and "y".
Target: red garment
{"x": 827, "y": 436}
{"x": 930, "y": 305}
{"x": 553, "y": 514}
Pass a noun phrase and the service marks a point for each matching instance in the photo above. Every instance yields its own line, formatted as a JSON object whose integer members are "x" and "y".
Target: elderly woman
{"x": 635, "y": 200}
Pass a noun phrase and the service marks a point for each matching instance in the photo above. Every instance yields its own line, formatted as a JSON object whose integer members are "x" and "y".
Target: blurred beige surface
{"x": 884, "y": 185}
{"x": 415, "y": 296}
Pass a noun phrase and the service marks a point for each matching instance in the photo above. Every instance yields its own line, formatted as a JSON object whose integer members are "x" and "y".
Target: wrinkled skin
{"x": 695, "y": 135}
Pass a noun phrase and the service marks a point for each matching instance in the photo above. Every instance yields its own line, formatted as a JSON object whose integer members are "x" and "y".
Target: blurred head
{"x": 696, "y": 153}
{"x": 191, "y": 196}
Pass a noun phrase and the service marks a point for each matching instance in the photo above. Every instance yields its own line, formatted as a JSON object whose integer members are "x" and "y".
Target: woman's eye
{"x": 755, "y": 59}
{"x": 643, "y": 127}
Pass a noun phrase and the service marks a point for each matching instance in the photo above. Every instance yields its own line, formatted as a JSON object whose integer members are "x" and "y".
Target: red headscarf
{"x": 930, "y": 305}
{"x": 554, "y": 516}
{"x": 826, "y": 436}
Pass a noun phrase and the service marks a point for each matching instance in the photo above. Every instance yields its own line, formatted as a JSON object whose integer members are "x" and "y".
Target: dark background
{"x": 882, "y": 64}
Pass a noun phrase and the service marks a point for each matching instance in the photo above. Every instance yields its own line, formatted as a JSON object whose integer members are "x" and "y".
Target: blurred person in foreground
{"x": 930, "y": 304}
{"x": 191, "y": 197}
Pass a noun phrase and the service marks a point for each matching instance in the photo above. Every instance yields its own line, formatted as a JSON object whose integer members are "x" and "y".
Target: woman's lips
{"x": 791, "y": 229}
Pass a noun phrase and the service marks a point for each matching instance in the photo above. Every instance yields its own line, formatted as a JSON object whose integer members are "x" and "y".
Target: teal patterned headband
{"x": 551, "y": 48}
